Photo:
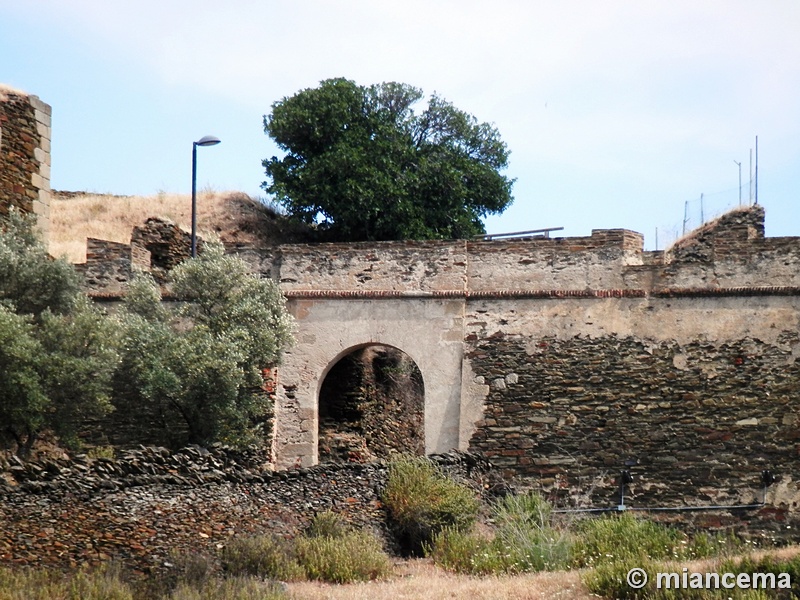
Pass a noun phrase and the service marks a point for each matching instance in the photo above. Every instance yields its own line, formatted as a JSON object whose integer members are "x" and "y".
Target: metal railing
{"x": 538, "y": 233}
{"x": 767, "y": 479}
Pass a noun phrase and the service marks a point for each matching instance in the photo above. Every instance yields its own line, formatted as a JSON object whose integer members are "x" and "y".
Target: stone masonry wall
{"x": 25, "y": 155}
{"x": 565, "y": 360}
{"x": 145, "y": 504}
{"x": 696, "y": 410}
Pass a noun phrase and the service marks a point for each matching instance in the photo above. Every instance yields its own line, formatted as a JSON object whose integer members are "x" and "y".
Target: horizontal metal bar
{"x": 491, "y": 236}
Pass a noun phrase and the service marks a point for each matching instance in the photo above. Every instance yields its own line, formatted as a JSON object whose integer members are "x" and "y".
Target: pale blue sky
{"x": 616, "y": 112}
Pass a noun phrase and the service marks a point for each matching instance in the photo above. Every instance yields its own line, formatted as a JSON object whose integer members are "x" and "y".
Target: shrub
{"x": 352, "y": 556}
{"x": 326, "y": 524}
{"x": 608, "y": 580}
{"x": 41, "y": 584}
{"x": 524, "y": 540}
{"x": 421, "y": 501}
{"x": 526, "y": 536}
{"x": 328, "y": 551}
{"x": 624, "y": 536}
{"x": 261, "y": 556}
{"x": 198, "y": 373}
{"x": 467, "y": 552}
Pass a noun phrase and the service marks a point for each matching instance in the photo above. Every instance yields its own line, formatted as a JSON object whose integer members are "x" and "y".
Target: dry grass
{"x": 421, "y": 580}
{"x": 112, "y": 218}
{"x": 5, "y": 90}
{"x": 232, "y": 216}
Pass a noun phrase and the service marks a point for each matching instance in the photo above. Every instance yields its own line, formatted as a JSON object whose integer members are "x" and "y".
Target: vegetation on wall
{"x": 363, "y": 165}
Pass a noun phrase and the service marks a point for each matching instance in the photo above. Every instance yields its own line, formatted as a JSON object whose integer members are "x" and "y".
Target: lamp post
{"x": 206, "y": 140}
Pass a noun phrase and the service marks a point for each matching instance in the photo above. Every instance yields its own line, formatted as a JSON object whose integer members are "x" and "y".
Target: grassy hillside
{"x": 232, "y": 216}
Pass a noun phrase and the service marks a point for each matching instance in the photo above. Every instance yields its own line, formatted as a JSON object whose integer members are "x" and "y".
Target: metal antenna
{"x": 740, "y": 181}
{"x": 756, "y": 170}
{"x": 685, "y": 215}
{"x": 702, "y": 212}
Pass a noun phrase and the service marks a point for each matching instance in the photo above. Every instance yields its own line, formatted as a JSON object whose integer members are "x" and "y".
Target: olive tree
{"x": 197, "y": 370}
{"x": 57, "y": 350}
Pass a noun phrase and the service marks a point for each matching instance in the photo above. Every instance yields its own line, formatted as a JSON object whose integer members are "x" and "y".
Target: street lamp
{"x": 206, "y": 140}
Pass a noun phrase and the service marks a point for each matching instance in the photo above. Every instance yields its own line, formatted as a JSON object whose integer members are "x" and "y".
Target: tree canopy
{"x": 363, "y": 164}
{"x": 197, "y": 373}
{"x": 57, "y": 351}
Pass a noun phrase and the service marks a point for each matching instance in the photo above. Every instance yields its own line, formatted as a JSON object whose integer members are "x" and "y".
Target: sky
{"x": 617, "y": 113}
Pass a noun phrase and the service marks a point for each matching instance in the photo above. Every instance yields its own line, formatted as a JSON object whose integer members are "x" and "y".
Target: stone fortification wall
{"x": 695, "y": 407}
{"x": 597, "y": 262}
{"x": 147, "y": 503}
{"x": 730, "y": 256}
{"x": 692, "y": 382}
{"x": 383, "y": 266}
{"x": 566, "y": 360}
{"x": 25, "y": 155}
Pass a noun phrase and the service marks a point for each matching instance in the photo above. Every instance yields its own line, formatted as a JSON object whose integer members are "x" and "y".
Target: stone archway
{"x": 371, "y": 406}
{"x": 428, "y": 329}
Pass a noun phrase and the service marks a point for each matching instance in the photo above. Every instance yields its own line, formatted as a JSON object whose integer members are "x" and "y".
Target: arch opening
{"x": 371, "y": 406}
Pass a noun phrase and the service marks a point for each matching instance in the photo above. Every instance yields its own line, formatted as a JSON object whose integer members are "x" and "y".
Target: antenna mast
{"x": 756, "y": 169}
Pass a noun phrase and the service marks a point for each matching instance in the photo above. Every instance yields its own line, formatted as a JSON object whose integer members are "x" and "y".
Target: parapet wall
{"x": 728, "y": 256}
{"x": 25, "y": 155}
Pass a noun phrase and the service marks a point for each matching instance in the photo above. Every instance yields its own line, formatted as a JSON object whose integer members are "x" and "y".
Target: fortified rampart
{"x": 25, "y": 155}
{"x": 562, "y": 360}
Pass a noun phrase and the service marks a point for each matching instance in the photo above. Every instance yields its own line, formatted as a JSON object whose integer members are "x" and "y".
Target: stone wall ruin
{"x": 25, "y": 155}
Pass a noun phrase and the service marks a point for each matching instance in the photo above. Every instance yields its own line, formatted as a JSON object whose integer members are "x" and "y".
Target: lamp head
{"x": 207, "y": 140}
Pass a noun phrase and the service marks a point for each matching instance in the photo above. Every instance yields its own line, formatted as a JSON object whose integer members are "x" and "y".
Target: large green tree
{"x": 364, "y": 164}
{"x": 195, "y": 373}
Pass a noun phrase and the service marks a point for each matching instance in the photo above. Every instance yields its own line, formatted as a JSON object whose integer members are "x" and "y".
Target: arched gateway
{"x": 429, "y": 330}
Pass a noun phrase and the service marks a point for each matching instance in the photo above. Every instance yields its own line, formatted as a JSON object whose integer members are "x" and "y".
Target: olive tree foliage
{"x": 30, "y": 281}
{"x": 57, "y": 350}
{"x": 364, "y": 164}
{"x": 197, "y": 370}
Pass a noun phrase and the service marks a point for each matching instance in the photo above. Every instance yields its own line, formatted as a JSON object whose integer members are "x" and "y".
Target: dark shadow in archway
{"x": 371, "y": 406}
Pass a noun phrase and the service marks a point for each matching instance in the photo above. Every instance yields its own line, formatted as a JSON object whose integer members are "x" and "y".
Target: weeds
{"x": 328, "y": 551}
{"x": 524, "y": 540}
{"x": 261, "y": 556}
{"x": 353, "y": 556}
{"x": 421, "y": 502}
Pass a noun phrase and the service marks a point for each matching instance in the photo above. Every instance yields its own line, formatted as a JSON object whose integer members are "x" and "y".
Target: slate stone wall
{"x": 695, "y": 423}
{"x": 148, "y": 502}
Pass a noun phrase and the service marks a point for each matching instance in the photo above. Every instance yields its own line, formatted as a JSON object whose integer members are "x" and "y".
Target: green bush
{"x": 197, "y": 373}
{"x": 621, "y": 537}
{"x": 526, "y": 536}
{"x": 352, "y": 556}
{"x": 57, "y": 350}
{"x": 261, "y": 556}
{"x": 467, "y": 552}
{"x": 524, "y": 540}
{"x": 329, "y": 551}
{"x": 608, "y": 580}
{"x": 41, "y": 584}
{"x": 421, "y": 501}
{"x": 326, "y": 524}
